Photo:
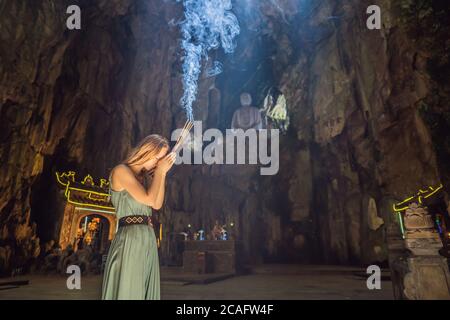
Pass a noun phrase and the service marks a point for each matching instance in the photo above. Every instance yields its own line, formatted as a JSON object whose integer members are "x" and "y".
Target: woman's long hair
{"x": 148, "y": 148}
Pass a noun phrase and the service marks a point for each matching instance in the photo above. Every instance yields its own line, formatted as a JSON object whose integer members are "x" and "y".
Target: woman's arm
{"x": 126, "y": 179}
{"x": 153, "y": 196}
{"x": 161, "y": 191}
{"x": 162, "y": 167}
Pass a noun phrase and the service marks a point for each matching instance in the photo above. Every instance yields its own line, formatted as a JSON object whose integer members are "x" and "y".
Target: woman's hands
{"x": 166, "y": 163}
{"x": 152, "y": 195}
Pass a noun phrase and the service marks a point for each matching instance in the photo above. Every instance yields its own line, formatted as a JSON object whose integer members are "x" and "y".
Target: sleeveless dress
{"x": 132, "y": 266}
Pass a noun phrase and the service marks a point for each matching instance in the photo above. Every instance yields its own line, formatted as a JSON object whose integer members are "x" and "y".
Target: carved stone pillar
{"x": 397, "y": 259}
{"x": 65, "y": 237}
{"x": 427, "y": 275}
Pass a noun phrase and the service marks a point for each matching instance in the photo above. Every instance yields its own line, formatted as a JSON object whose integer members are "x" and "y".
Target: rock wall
{"x": 80, "y": 99}
{"x": 360, "y": 139}
{"x": 356, "y": 97}
{"x": 75, "y": 100}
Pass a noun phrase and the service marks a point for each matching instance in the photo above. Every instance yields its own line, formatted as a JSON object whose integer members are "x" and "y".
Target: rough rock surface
{"x": 366, "y": 125}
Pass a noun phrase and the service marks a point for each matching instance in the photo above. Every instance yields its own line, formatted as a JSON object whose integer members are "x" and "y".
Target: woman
{"x": 132, "y": 267}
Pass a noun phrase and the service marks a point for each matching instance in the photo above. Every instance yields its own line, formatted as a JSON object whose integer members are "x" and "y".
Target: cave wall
{"x": 358, "y": 132}
{"x": 74, "y": 100}
{"x": 79, "y": 100}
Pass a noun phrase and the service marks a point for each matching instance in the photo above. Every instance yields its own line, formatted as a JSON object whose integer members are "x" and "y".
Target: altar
{"x": 211, "y": 256}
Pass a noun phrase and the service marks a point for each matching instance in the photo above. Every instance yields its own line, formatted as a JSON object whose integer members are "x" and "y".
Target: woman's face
{"x": 150, "y": 164}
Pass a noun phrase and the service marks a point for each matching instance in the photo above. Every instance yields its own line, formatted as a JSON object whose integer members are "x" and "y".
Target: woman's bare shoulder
{"x": 119, "y": 171}
{"x": 120, "y": 167}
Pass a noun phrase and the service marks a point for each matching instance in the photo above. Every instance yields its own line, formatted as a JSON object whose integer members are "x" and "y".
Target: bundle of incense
{"x": 183, "y": 135}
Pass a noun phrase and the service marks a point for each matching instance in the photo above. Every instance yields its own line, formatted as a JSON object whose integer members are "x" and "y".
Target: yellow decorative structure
{"x": 86, "y": 199}
{"x": 400, "y": 207}
{"x": 421, "y": 194}
{"x": 86, "y": 193}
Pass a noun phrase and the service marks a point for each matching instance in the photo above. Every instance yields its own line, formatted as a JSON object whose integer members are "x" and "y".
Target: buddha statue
{"x": 246, "y": 117}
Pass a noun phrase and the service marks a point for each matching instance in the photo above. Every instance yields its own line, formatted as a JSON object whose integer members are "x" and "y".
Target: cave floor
{"x": 267, "y": 282}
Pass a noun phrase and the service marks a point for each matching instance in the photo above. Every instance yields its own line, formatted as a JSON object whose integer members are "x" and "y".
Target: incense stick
{"x": 186, "y": 124}
{"x": 184, "y": 134}
{"x": 181, "y": 138}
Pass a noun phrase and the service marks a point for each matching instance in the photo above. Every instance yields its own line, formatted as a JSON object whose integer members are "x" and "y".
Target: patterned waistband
{"x": 132, "y": 220}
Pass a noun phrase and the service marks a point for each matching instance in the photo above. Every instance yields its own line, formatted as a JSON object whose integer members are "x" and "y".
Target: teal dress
{"x": 132, "y": 267}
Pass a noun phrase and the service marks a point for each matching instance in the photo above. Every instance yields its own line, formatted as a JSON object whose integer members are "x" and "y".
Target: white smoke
{"x": 207, "y": 25}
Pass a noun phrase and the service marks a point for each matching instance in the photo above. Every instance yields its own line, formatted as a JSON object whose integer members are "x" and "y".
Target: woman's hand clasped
{"x": 166, "y": 163}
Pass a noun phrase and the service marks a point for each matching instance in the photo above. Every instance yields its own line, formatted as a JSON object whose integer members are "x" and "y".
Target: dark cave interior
{"x": 369, "y": 121}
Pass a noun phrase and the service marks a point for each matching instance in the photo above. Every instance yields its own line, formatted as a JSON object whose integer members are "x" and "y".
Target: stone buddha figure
{"x": 246, "y": 117}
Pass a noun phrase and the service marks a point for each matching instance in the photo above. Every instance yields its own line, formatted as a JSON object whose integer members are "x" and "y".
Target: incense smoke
{"x": 253, "y": 9}
{"x": 208, "y": 24}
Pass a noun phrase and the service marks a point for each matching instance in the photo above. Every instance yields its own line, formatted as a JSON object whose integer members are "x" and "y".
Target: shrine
{"x": 89, "y": 216}
{"x": 421, "y": 271}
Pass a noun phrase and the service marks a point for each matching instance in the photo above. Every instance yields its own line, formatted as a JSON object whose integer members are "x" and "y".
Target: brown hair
{"x": 148, "y": 148}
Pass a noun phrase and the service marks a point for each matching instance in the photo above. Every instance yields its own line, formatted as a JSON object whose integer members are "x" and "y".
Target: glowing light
{"x": 402, "y": 206}
{"x": 422, "y": 194}
{"x": 66, "y": 180}
{"x": 93, "y": 210}
{"x": 88, "y": 180}
{"x": 69, "y": 176}
{"x": 402, "y": 228}
{"x": 208, "y": 24}
{"x": 104, "y": 183}
{"x": 401, "y": 203}
{"x": 160, "y": 234}
{"x": 438, "y": 223}
{"x": 70, "y": 200}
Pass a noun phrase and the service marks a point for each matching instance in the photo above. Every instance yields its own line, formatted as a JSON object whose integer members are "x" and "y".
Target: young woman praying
{"x": 132, "y": 266}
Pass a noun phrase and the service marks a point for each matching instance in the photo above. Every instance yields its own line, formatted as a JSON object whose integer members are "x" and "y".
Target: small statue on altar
{"x": 217, "y": 231}
{"x": 224, "y": 234}
{"x": 185, "y": 235}
{"x": 201, "y": 234}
